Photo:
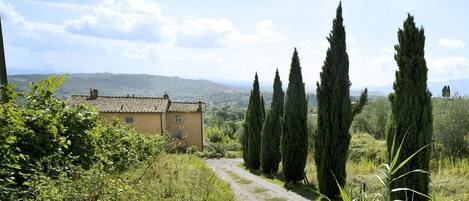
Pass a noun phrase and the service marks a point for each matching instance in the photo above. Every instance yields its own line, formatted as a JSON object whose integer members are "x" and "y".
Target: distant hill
{"x": 138, "y": 85}
{"x": 152, "y": 85}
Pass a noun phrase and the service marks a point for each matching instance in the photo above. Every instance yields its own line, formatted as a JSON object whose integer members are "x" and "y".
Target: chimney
{"x": 93, "y": 94}
{"x": 165, "y": 95}
{"x": 3, "y": 69}
{"x": 200, "y": 106}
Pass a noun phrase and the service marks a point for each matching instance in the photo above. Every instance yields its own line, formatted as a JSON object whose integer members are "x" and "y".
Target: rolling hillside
{"x": 148, "y": 85}
{"x": 138, "y": 85}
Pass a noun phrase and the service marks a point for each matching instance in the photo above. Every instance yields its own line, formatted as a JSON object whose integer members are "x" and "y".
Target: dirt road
{"x": 247, "y": 186}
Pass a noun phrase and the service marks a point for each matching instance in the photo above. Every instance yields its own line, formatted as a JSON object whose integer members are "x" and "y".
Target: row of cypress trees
{"x": 283, "y": 136}
{"x": 285, "y": 123}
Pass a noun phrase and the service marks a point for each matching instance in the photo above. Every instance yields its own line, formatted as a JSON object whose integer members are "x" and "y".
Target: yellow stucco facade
{"x": 148, "y": 123}
{"x": 187, "y": 125}
{"x": 151, "y": 115}
{"x": 190, "y": 126}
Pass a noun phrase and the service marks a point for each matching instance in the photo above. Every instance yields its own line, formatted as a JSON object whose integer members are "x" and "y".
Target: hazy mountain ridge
{"x": 132, "y": 84}
{"x": 187, "y": 89}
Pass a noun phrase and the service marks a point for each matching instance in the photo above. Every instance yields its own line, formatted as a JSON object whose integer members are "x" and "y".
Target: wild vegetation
{"x": 51, "y": 151}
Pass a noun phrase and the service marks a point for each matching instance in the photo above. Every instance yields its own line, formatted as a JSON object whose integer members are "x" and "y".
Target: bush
{"x": 364, "y": 147}
{"x": 46, "y": 145}
{"x": 373, "y": 118}
{"x": 451, "y": 127}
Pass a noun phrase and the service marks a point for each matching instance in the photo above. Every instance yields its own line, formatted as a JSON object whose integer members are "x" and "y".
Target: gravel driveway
{"x": 247, "y": 186}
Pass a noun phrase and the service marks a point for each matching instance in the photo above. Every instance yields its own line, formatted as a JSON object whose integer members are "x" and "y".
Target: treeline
{"x": 450, "y": 125}
{"x": 280, "y": 134}
{"x": 50, "y": 151}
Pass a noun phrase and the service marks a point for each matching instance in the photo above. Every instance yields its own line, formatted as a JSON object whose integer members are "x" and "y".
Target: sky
{"x": 228, "y": 41}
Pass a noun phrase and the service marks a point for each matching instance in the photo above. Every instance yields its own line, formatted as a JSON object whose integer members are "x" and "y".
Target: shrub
{"x": 46, "y": 144}
{"x": 364, "y": 147}
{"x": 451, "y": 127}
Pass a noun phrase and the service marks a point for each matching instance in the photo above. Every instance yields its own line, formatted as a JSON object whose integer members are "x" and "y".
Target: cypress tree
{"x": 262, "y": 107}
{"x": 446, "y": 92}
{"x": 295, "y": 130}
{"x": 411, "y": 111}
{"x": 272, "y": 130}
{"x": 252, "y": 128}
{"x": 335, "y": 113}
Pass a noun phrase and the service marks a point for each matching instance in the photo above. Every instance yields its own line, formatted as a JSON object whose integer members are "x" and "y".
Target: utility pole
{"x": 3, "y": 68}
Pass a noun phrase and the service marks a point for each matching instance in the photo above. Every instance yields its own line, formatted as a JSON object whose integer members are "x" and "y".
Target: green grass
{"x": 238, "y": 179}
{"x": 176, "y": 177}
{"x": 259, "y": 190}
{"x": 449, "y": 180}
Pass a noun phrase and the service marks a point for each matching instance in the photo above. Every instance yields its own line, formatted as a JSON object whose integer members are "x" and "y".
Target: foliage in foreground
{"x": 411, "y": 110}
{"x": 164, "y": 177}
{"x": 294, "y": 141}
{"x": 335, "y": 112}
{"x": 44, "y": 141}
{"x": 450, "y": 178}
{"x": 389, "y": 174}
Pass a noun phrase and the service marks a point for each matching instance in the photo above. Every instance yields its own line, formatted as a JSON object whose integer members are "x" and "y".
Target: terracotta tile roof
{"x": 122, "y": 103}
{"x": 186, "y": 107}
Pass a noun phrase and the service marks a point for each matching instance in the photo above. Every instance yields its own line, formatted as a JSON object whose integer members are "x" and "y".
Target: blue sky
{"x": 225, "y": 40}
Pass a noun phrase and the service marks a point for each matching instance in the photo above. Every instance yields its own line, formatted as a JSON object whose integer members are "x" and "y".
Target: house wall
{"x": 149, "y": 123}
{"x": 191, "y": 126}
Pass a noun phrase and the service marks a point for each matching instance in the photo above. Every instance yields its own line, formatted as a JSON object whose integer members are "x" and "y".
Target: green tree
{"x": 272, "y": 130}
{"x": 411, "y": 110}
{"x": 335, "y": 113}
{"x": 451, "y": 126}
{"x": 295, "y": 130}
{"x": 253, "y": 128}
{"x": 262, "y": 107}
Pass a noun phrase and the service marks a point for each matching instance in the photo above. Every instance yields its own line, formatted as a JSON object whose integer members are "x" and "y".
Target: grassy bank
{"x": 163, "y": 177}
{"x": 175, "y": 177}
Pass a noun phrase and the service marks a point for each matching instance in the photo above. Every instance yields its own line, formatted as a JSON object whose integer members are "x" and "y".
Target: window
{"x": 129, "y": 120}
{"x": 177, "y": 119}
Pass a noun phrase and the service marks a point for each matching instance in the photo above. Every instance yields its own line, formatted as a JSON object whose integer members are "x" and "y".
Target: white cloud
{"x": 8, "y": 12}
{"x": 447, "y": 68}
{"x": 138, "y": 20}
{"x": 451, "y": 43}
{"x": 143, "y": 20}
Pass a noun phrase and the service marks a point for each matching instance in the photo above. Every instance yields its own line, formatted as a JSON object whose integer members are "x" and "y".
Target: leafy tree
{"x": 272, "y": 130}
{"x": 335, "y": 113}
{"x": 373, "y": 118}
{"x": 451, "y": 127}
{"x": 295, "y": 130}
{"x": 411, "y": 111}
{"x": 253, "y": 128}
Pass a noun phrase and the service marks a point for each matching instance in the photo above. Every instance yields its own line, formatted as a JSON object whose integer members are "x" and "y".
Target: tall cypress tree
{"x": 272, "y": 130}
{"x": 262, "y": 107}
{"x": 252, "y": 128}
{"x": 335, "y": 112}
{"x": 411, "y": 111}
{"x": 295, "y": 130}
